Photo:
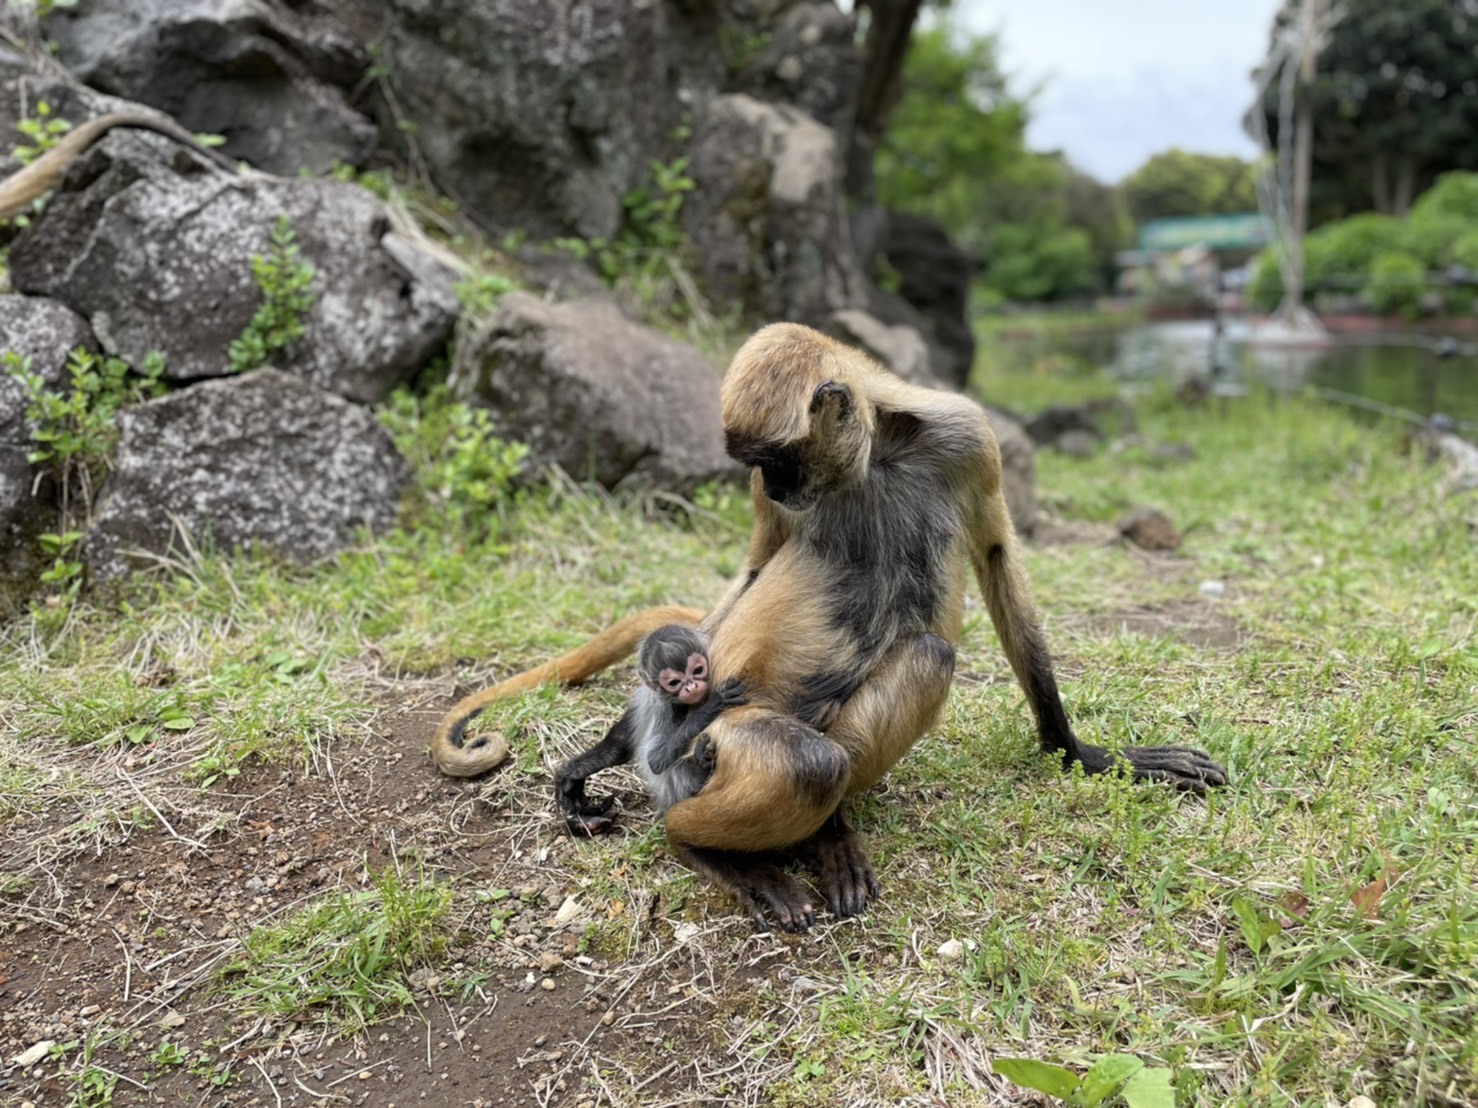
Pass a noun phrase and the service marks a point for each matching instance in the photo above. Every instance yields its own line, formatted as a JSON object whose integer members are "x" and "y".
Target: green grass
{"x": 344, "y": 961}
{"x": 1215, "y": 937}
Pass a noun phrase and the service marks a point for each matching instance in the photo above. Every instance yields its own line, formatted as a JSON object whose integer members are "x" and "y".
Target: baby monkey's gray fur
{"x": 662, "y": 729}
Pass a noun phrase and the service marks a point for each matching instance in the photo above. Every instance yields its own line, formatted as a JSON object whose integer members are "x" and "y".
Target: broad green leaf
{"x": 1251, "y": 922}
{"x": 1149, "y": 1088}
{"x": 1041, "y": 1076}
{"x": 1107, "y": 1074}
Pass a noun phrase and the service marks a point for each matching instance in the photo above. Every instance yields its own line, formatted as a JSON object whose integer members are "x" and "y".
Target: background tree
{"x": 1180, "y": 183}
{"x": 955, "y": 151}
{"x": 1395, "y": 102}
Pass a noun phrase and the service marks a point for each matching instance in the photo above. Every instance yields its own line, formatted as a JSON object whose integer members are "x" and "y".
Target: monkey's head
{"x": 673, "y": 660}
{"x": 794, "y": 408}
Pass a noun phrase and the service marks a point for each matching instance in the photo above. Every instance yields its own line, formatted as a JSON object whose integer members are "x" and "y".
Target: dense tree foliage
{"x": 1179, "y": 183}
{"x": 955, "y": 151}
{"x": 1395, "y": 102}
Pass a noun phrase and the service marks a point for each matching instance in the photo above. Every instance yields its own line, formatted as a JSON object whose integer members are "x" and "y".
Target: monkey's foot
{"x": 759, "y": 883}
{"x": 835, "y": 855}
{"x": 1180, "y": 767}
{"x": 705, "y": 755}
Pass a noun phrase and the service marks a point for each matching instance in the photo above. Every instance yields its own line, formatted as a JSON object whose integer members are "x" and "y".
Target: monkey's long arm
{"x": 728, "y": 695}
{"x": 457, "y": 759}
{"x": 22, "y": 187}
{"x": 1003, "y": 584}
{"x": 582, "y": 815}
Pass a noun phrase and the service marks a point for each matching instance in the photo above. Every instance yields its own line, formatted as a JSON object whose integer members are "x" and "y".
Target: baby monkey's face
{"x": 688, "y": 685}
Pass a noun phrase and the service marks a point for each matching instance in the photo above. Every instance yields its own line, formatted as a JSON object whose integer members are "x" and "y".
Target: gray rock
{"x": 901, "y": 348}
{"x": 43, "y": 332}
{"x": 767, "y": 220}
{"x": 1018, "y": 470}
{"x": 811, "y": 62}
{"x": 542, "y": 116}
{"x": 154, "y": 246}
{"x": 263, "y": 460}
{"x": 934, "y": 277}
{"x": 268, "y": 75}
{"x": 598, "y": 395}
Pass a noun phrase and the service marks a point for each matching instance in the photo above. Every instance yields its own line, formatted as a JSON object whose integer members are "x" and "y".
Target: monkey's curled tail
{"x": 458, "y": 759}
{"x": 22, "y": 187}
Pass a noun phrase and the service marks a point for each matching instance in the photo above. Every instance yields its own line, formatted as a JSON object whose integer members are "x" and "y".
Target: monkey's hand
{"x": 730, "y": 694}
{"x": 582, "y": 815}
{"x": 1180, "y": 767}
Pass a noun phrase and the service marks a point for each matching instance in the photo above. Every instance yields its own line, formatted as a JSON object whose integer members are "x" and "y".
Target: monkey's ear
{"x": 830, "y": 392}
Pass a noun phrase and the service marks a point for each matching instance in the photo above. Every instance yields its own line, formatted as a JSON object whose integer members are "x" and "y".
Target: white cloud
{"x": 1127, "y": 80}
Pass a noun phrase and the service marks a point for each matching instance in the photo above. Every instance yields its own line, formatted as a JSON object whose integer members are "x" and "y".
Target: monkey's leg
{"x": 775, "y": 783}
{"x": 759, "y": 882}
{"x": 582, "y": 815}
{"x": 1009, "y": 601}
{"x": 901, "y": 699}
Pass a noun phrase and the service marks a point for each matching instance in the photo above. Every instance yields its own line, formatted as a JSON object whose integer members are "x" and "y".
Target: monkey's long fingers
{"x": 846, "y": 877}
{"x": 1180, "y": 767}
{"x": 786, "y": 899}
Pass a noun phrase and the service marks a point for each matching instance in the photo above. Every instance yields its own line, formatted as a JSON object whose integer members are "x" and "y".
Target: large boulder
{"x": 1018, "y": 470}
{"x": 154, "y": 245}
{"x": 268, "y": 75}
{"x": 598, "y": 395}
{"x": 37, "y": 334}
{"x": 262, "y": 460}
{"x": 934, "y": 278}
{"x": 767, "y": 219}
{"x": 540, "y": 116}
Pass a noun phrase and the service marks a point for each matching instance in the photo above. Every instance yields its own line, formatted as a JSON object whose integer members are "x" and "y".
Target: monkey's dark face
{"x": 690, "y": 684}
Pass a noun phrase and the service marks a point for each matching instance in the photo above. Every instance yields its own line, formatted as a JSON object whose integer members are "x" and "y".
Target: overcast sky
{"x": 1128, "y": 79}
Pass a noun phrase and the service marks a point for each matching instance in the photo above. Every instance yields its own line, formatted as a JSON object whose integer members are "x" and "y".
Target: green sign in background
{"x": 1242, "y": 231}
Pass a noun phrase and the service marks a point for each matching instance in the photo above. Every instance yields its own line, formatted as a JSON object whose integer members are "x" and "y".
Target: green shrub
{"x": 1397, "y": 280}
{"x": 1340, "y": 254}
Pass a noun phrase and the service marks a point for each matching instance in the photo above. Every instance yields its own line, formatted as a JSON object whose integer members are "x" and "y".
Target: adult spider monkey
{"x": 874, "y": 500}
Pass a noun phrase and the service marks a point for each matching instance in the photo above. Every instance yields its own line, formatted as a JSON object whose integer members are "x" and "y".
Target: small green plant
{"x": 284, "y": 276}
{"x": 168, "y": 1054}
{"x": 74, "y": 431}
{"x": 43, "y": 132}
{"x": 1121, "y": 1075}
{"x": 346, "y": 957}
{"x": 462, "y": 465}
{"x": 480, "y": 292}
{"x": 217, "y": 1073}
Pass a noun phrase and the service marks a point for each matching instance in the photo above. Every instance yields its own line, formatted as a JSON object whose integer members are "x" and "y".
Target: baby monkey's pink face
{"x": 689, "y": 686}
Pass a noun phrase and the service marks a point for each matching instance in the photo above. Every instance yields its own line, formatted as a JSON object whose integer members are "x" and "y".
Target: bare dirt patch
{"x": 125, "y": 942}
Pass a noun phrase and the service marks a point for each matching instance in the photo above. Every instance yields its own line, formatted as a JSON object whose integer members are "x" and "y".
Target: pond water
{"x": 1396, "y": 374}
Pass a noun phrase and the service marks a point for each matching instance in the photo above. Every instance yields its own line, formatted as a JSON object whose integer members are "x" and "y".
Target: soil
{"x": 139, "y": 928}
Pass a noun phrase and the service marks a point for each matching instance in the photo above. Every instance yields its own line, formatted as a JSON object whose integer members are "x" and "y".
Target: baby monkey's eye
{"x": 699, "y": 670}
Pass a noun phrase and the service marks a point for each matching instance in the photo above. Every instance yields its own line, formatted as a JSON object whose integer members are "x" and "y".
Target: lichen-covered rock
{"x": 40, "y": 333}
{"x": 540, "y": 115}
{"x": 267, "y": 75}
{"x": 598, "y": 395}
{"x": 262, "y": 460}
{"x": 810, "y": 61}
{"x": 767, "y": 220}
{"x": 154, "y": 245}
